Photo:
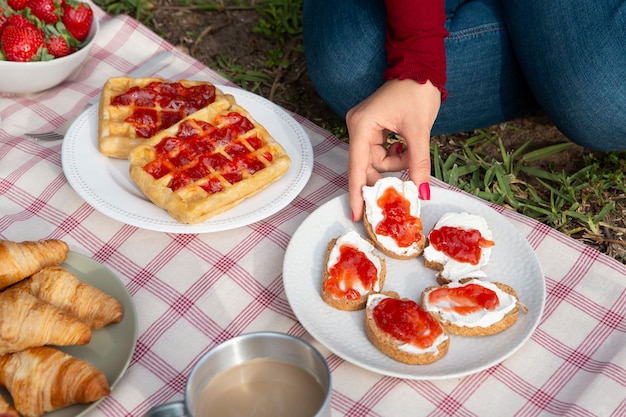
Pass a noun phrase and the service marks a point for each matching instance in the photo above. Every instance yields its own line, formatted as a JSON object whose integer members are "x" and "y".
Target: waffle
{"x": 132, "y": 110}
{"x": 208, "y": 162}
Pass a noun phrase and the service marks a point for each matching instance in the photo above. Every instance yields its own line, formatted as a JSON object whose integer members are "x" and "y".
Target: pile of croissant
{"x": 42, "y": 305}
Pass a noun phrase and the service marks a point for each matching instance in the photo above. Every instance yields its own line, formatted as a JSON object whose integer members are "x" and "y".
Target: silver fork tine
{"x": 59, "y": 132}
{"x": 147, "y": 68}
{"x": 48, "y": 136}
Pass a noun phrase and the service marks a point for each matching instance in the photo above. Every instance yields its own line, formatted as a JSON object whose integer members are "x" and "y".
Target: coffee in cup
{"x": 256, "y": 375}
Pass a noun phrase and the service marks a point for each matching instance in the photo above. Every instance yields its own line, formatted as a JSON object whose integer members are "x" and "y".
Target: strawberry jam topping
{"x": 397, "y": 221}
{"x": 193, "y": 155}
{"x": 459, "y": 244}
{"x": 352, "y": 268}
{"x": 158, "y": 105}
{"x": 463, "y": 300}
{"x": 405, "y": 320}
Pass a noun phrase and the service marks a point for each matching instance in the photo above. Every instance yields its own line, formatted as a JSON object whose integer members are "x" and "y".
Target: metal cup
{"x": 268, "y": 345}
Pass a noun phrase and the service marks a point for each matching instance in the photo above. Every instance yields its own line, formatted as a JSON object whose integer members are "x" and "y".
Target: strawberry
{"x": 77, "y": 19}
{"x": 57, "y": 46}
{"x": 20, "y": 21}
{"x": 45, "y": 10}
{"x": 4, "y": 20}
{"x": 17, "y": 4}
{"x": 21, "y": 43}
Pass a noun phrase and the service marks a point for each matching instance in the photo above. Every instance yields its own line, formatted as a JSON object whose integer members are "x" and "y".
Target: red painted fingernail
{"x": 397, "y": 148}
{"x": 424, "y": 190}
{"x": 352, "y": 215}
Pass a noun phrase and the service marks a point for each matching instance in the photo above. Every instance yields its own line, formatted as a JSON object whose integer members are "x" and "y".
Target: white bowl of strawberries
{"x": 43, "y": 42}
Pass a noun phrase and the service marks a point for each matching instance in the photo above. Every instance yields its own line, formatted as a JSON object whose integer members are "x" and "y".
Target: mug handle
{"x": 173, "y": 409}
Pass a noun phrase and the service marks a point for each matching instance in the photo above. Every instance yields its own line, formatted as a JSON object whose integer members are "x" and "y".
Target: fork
{"x": 147, "y": 68}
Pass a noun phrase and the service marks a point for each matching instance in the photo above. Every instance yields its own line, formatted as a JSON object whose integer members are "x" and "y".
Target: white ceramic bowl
{"x": 33, "y": 77}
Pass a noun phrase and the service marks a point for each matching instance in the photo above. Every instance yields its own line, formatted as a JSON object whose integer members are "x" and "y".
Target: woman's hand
{"x": 401, "y": 106}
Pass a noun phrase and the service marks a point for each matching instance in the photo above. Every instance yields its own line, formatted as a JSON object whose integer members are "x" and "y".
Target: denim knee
{"x": 344, "y": 48}
{"x": 572, "y": 54}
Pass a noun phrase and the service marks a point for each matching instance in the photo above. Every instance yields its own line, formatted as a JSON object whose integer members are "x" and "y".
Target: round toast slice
{"x": 348, "y": 304}
{"x": 502, "y": 321}
{"x": 398, "y": 349}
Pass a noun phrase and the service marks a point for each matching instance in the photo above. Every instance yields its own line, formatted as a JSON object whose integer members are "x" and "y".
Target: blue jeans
{"x": 505, "y": 59}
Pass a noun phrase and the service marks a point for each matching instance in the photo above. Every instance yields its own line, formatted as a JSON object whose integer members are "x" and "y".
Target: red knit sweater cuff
{"x": 421, "y": 77}
{"x": 415, "y": 42}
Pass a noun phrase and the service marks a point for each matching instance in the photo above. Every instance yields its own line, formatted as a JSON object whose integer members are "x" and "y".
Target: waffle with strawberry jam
{"x": 134, "y": 109}
{"x": 208, "y": 162}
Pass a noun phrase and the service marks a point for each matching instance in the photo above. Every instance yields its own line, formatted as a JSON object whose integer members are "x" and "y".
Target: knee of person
{"x": 597, "y": 128}
{"x": 328, "y": 83}
{"x": 344, "y": 50}
{"x": 341, "y": 83}
{"x": 603, "y": 139}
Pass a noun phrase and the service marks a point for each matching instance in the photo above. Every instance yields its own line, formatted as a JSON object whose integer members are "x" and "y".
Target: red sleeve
{"x": 415, "y": 41}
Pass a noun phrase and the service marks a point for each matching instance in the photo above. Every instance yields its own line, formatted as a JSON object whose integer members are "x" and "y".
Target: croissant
{"x": 58, "y": 286}
{"x": 45, "y": 379}
{"x": 26, "y": 321}
{"x": 6, "y": 410}
{"x": 19, "y": 260}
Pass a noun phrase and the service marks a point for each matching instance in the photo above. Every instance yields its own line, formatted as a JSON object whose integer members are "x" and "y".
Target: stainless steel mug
{"x": 233, "y": 352}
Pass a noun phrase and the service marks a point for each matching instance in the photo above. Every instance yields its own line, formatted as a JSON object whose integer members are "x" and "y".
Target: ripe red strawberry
{"x": 17, "y": 4}
{"x": 3, "y": 20}
{"x": 45, "y": 10}
{"x": 21, "y": 43}
{"x": 20, "y": 21}
{"x": 57, "y": 46}
{"x": 77, "y": 19}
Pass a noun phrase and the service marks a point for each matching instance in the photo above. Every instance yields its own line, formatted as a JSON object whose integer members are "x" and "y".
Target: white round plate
{"x": 512, "y": 262}
{"x": 105, "y": 184}
{"x": 112, "y": 346}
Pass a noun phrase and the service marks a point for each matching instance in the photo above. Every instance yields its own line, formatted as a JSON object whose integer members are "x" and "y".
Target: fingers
{"x": 360, "y": 170}
{"x": 405, "y": 107}
{"x": 357, "y": 178}
{"x": 419, "y": 165}
{"x": 366, "y": 162}
{"x": 415, "y": 157}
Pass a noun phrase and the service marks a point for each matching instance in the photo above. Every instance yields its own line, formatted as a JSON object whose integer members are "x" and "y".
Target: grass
{"x": 139, "y": 9}
{"x": 572, "y": 202}
{"x": 581, "y": 204}
{"x": 248, "y": 78}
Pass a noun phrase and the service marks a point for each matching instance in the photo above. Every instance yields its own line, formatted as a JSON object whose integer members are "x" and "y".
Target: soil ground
{"x": 227, "y": 35}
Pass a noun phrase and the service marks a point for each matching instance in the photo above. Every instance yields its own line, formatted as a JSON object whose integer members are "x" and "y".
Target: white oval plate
{"x": 112, "y": 346}
{"x": 512, "y": 262}
{"x": 105, "y": 184}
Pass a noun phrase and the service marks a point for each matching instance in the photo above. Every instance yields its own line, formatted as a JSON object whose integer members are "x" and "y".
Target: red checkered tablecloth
{"x": 193, "y": 291}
